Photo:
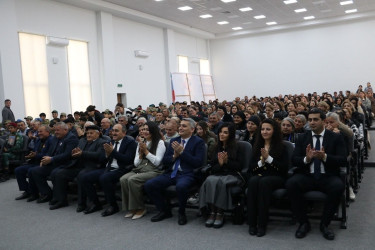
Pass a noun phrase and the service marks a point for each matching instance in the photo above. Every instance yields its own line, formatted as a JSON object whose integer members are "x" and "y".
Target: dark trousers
{"x": 155, "y": 190}
{"x": 39, "y": 177}
{"x": 299, "y": 184}
{"x": 60, "y": 178}
{"x": 22, "y": 172}
{"x": 107, "y": 180}
{"x": 259, "y": 196}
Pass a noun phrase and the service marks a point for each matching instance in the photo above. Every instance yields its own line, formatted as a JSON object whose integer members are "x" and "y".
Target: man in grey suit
{"x": 89, "y": 155}
{"x": 7, "y": 113}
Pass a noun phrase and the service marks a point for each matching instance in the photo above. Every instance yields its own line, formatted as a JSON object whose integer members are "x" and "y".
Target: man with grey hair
{"x": 184, "y": 154}
{"x": 59, "y": 154}
{"x": 41, "y": 147}
{"x": 171, "y": 130}
{"x": 214, "y": 122}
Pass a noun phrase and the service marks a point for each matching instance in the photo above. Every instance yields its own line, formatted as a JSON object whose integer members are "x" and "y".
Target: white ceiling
{"x": 165, "y": 13}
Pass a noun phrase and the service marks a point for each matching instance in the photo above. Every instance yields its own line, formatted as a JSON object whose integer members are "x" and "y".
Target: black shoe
{"x": 161, "y": 216}
{"x": 109, "y": 211}
{"x": 4, "y": 178}
{"x": 261, "y": 232}
{"x": 327, "y": 232}
{"x": 219, "y": 220}
{"x": 52, "y": 202}
{"x": 210, "y": 221}
{"x": 59, "y": 205}
{"x": 24, "y": 195}
{"x": 33, "y": 197}
{"x": 253, "y": 230}
{"x": 80, "y": 208}
{"x": 44, "y": 198}
{"x": 302, "y": 230}
{"x": 182, "y": 219}
{"x": 92, "y": 209}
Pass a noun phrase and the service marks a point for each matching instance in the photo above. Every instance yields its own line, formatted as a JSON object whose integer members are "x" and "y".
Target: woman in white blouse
{"x": 149, "y": 155}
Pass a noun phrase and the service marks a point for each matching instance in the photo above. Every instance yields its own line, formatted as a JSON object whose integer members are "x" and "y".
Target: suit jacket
{"x": 7, "y": 114}
{"x": 41, "y": 149}
{"x": 61, "y": 150}
{"x": 191, "y": 158}
{"x": 334, "y": 147}
{"x": 92, "y": 157}
{"x": 126, "y": 153}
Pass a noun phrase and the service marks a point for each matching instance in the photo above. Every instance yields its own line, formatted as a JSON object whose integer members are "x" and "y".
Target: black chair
{"x": 315, "y": 196}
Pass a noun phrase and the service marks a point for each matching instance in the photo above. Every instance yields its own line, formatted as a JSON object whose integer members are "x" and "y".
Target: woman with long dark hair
{"x": 268, "y": 171}
{"x": 215, "y": 192}
{"x": 149, "y": 155}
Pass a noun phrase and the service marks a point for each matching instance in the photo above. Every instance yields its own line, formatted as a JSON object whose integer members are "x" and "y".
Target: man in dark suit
{"x": 35, "y": 156}
{"x": 89, "y": 155}
{"x": 184, "y": 154}
{"x": 7, "y": 113}
{"x": 318, "y": 155}
{"x": 59, "y": 154}
{"x": 120, "y": 155}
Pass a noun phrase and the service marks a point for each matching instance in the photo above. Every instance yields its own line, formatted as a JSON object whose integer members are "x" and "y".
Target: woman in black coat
{"x": 268, "y": 170}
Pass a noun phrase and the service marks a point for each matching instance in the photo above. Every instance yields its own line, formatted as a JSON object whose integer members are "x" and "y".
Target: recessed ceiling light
{"x": 222, "y": 22}
{"x": 290, "y": 1}
{"x": 228, "y": 1}
{"x": 308, "y": 17}
{"x": 237, "y": 28}
{"x": 271, "y": 23}
{"x": 158, "y": 0}
{"x": 185, "y": 8}
{"x": 300, "y": 10}
{"x": 260, "y": 17}
{"x": 350, "y": 11}
{"x": 205, "y": 16}
{"x": 346, "y": 2}
{"x": 246, "y": 9}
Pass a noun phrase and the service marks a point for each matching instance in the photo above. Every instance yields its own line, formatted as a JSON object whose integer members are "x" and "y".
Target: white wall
{"x": 144, "y": 79}
{"x": 193, "y": 48}
{"x": 318, "y": 59}
{"x": 112, "y": 41}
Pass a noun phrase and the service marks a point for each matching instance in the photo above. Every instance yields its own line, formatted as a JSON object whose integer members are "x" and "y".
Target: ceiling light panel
{"x": 205, "y": 16}
{"x": 290, "y": 1}
{"x": 271, "y": 23}
{"x": 228, "y": 1}
{"x": 309, "y": 17}
{"x": 300, "y": 10}
{"x": 237, "y": 28}
{"x": 346, "y": 2}
{"x": 222, "y": 22}
{"x": 246, "y": 9}
{"x": 351, "y": 11}
{"x": 184, "y": 8}
{"x": 260, "y": 17}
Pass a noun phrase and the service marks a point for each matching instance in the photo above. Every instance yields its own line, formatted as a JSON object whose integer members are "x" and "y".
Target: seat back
{"x": 290, "y": 148}
{"x": 106, "y": 138}
{"x": 245, "y": 151}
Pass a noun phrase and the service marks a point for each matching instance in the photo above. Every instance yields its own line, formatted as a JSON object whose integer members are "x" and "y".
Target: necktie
{"x": 176, "y": 164}
{"x": 111, "y": 157}
{"x": 317, "y": 162}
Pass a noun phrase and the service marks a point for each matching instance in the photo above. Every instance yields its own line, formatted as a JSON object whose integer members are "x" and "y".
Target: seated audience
{"x": 208, "y": 137}
{"x": 184, "y": 154}
{"x": 268, "y": 170}
{"x": 318, "y": 168}
{"x": 252, "y": 126}
{"x": 215, "y": 191}
{"x": 239, "y": 120}
{"x": 299, "y": 123}
{"x": 287, "y": 129}
{"x": 149, "y": 155}
{"x": 35, "y": 156}
{"x": 87, "y": 156}
{"x": 59, "y": 154}
{"x": 119, "y": 156}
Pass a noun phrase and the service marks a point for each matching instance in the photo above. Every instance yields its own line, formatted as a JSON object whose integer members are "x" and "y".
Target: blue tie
{"x": 176, "y": 164}
{"x": 317, "y": 162}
